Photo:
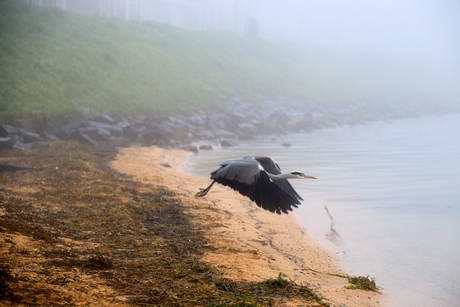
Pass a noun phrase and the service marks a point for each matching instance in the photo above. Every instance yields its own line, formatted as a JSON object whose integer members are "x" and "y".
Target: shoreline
{"x": 248, "y": 243}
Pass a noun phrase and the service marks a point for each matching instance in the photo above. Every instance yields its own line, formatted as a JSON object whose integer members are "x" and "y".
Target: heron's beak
{"x": 308, "y": 177}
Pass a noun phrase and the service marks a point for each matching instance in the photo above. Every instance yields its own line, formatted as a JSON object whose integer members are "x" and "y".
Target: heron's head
{"x": 301, "y": 175}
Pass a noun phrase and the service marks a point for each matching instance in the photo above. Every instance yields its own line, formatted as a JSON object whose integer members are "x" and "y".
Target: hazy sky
{"x": 402, "y": 27}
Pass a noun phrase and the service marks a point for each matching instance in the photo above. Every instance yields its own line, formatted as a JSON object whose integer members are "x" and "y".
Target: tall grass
{"x": 52, "y": 62}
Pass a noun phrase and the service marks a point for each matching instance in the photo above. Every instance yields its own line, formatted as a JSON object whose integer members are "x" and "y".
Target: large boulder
{"x": 30, "y": 137}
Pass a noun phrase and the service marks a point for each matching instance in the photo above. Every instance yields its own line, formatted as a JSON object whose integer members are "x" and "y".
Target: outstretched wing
{"x": 249, "y": 178}
{"x": 272, "y": 167}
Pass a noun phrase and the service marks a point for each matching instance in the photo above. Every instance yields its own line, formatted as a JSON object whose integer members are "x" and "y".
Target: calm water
{"x": 393, "y": 190}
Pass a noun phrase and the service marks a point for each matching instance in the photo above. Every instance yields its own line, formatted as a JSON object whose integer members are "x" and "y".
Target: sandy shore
{"x": 247, "y": 242}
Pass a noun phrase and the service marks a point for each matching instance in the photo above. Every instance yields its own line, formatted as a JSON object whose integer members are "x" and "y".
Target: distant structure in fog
{"x": 426, "y": 28}
{"x": 270, "y": 19}
{"x": 229, "y": 15}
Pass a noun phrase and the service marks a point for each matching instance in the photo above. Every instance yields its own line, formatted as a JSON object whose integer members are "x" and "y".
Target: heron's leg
{"x": 203, "y": 192}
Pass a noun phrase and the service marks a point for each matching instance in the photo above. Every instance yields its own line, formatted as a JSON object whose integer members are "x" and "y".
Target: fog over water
{"x": 424, "y": 32}
{"x": 396, "y": 27}
{"x": 392, "y": 190}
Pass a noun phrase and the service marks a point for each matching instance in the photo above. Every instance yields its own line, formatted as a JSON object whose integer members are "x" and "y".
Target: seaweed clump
{"x": 363, "y": 283}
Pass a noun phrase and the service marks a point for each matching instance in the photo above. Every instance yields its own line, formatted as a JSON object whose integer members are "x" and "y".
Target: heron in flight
{"x": 260, "y": 179}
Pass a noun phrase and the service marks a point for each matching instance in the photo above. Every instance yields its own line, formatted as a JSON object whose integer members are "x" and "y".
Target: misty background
{"x": 418, "y": 39}
{"x": 135, "y": 56}
{"x": 416, "y": 28}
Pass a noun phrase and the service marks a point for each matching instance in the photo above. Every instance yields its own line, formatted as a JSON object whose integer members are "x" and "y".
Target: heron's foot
{"x": 201, "y": 193}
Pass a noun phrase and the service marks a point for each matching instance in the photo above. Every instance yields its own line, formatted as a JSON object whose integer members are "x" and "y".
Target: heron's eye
{"x": 297, "y": 173}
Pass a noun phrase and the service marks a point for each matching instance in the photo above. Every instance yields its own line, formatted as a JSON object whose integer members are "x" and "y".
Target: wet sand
{"x": 248, "y": 243}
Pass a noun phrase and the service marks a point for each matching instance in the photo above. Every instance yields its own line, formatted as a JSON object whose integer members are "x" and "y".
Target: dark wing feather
{"x": 249, "y": 179}
{"x": 273, "y": 168}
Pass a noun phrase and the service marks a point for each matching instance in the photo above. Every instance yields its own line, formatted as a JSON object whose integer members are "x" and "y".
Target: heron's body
{"x": 260, "y": 179}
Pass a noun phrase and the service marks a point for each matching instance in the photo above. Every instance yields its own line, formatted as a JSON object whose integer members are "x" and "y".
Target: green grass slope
{"x": 52, "y": 62}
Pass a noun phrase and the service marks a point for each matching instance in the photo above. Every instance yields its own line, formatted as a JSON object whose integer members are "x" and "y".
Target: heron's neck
{"x": 281, "y": 176}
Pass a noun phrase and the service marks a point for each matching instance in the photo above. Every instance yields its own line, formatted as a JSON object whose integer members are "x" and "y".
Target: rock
{"x": 82, "y": 137}
{"x": 216, "y": 121}
{"x": 51, "y": 130}
{"x": 7, "y": 130}
{"x": 130, "y": 132}
{"x": 196, "y": 119}
{"x": 114, "y": 130}
{"x": 245, "y": 137}
{"x": 116, "y": 117}
{"x": 51, "y": 137}
{"x": 248, "y": 129}
{"x": 106, "y": 118}
{"x": 6, "y": 143}
{"x": 205, "y": 147}
{"x": 223, "y": 134}
{"x": 149, "y": 137}
{"x": 190, "y": 148}
{"x": 28, "y": 146}
{"x": 227, "y": 143}
{"x": 96, "y": 134}
{"x": 73, "y": 125}
{"x": 29, "y": 137}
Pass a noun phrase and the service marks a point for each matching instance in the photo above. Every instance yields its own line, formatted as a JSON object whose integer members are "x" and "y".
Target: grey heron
{"x": 260, "y": 179}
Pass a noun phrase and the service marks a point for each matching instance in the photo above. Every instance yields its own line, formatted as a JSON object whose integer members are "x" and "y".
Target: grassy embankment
{"x": 53, "y": 62}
